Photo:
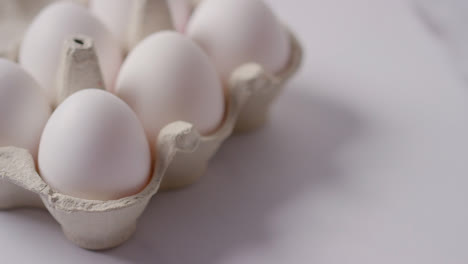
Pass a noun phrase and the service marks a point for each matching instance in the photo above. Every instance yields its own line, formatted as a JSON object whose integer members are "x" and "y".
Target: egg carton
{"x": 182, "y": 153}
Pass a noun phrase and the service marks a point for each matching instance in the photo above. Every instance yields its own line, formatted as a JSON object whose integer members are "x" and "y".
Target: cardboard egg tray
{"x": 182, "y": 153}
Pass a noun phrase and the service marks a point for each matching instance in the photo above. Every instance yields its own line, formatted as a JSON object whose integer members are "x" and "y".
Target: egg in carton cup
{"x": 90, "y": 224}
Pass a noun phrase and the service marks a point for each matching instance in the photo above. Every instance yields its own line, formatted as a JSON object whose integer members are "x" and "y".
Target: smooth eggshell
{"x": 235, "y": 32}
{"x": 115, "y": 14}
{"x": 167, "y": 78}
{"x": 43, "y": 42}
{"x": 93, "y": 147}
{"x": 24, "y": 109}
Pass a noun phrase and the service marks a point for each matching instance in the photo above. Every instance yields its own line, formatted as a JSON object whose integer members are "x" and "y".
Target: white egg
{"x": 167, "y": 78}
{"x": 115, "y": 14}
{"x": 94, "y": 147}
{"x": 235, "y": 32}
{"x": 43, "y": 42}
{"x": 24, "y": 109}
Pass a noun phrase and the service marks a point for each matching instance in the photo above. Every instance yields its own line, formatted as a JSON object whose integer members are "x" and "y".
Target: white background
{"x": 365, "y": 159}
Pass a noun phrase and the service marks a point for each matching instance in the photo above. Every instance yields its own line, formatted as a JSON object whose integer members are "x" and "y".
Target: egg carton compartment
{"x": 89, "y": 224}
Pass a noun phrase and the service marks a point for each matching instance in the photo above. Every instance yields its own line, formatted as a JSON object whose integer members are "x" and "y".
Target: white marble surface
{"x": 365, "y": 160}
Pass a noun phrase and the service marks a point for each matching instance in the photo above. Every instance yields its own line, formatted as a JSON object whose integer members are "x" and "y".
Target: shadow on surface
{"x": 250, "y": 178}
